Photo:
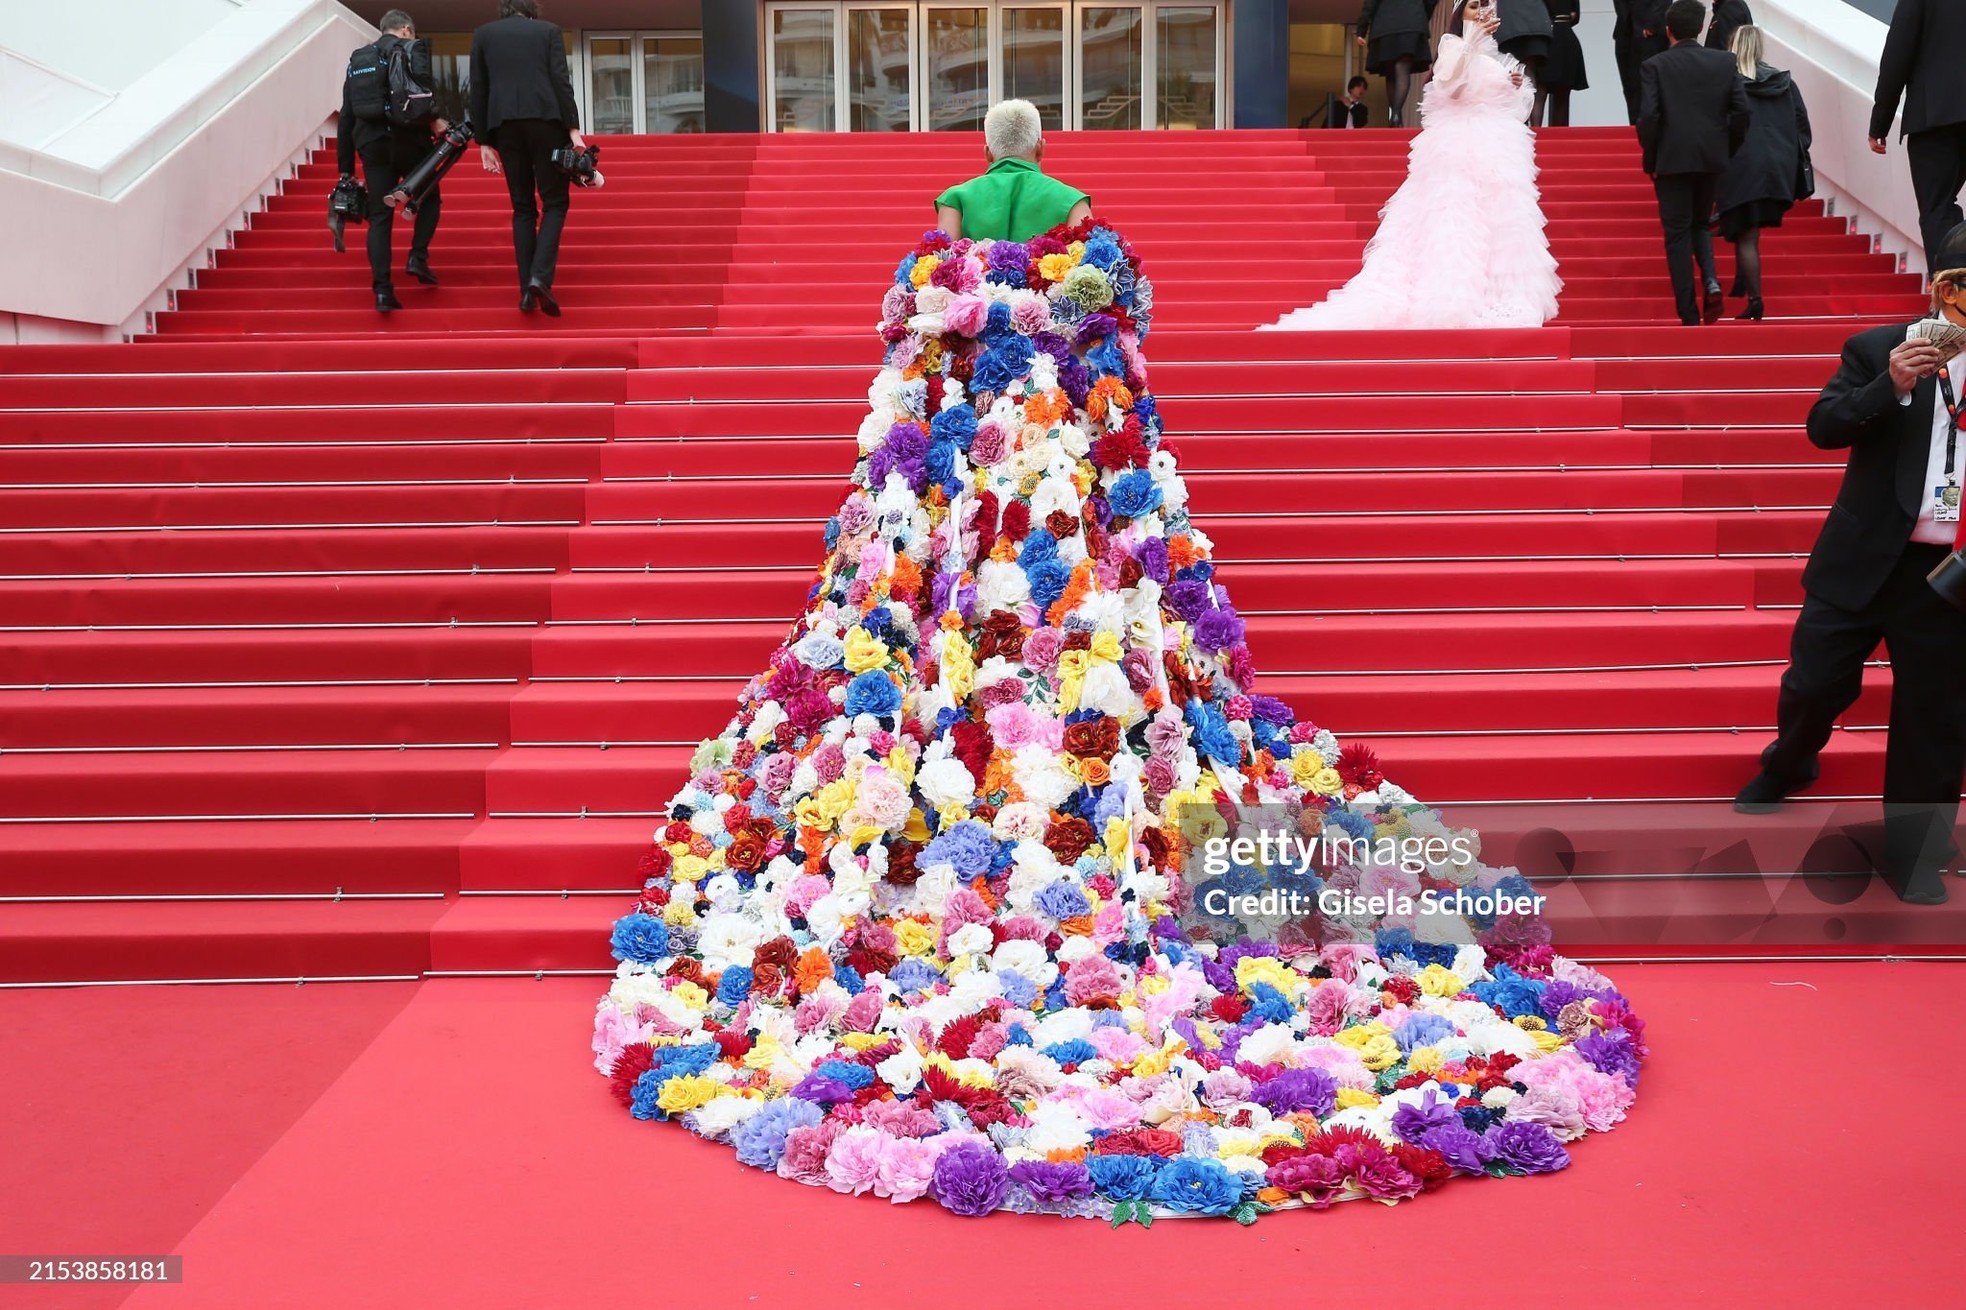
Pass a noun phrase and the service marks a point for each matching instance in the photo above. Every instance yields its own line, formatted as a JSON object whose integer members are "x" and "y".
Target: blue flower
{"x": 1194, "y": 1186}
{"x": 941, "y": 462}
{"x": 642, "y": 938}
{"x": 1062, "y": 899}
{"x": 1048, "y": 579}
{"x": 1076, "y": 1051}
{"x": 1124, "y": 1177}
{"x": 735, "y": 985}
{"x": 873, "y": 692}
{"x": 853, "y": 1075}
{"x": 912, "y": 975}
{"x": 1037, "y": 548}
{"x": 849, "y": 977}
{"x": 760, "y": 1139}
{"x": 1134, "y": 493}
{"x": 968, "y": 847}
{"x": 956, "y": 425}
{"x": 1211, "y": 733}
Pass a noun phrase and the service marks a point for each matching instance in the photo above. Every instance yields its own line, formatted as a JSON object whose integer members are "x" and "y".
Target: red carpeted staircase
{"x": 345, "y": 646}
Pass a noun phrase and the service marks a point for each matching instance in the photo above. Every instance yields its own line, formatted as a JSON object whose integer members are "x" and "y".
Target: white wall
{"x": 119, "y": 41}
{"x": 109, "y": 210}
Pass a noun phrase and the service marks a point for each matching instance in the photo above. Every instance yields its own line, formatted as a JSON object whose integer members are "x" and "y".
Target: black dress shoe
{"x": 1929, "y": 890}
{"x": 1764, "y": 795}
{"x": 527, "y": 301}
{"x": 1715, "y": 304}
{"x": 419, "y": 268}
{"x": 1754, "y": 311}
{"x": 544, "y": 295}
{"x": 386, "y": 302}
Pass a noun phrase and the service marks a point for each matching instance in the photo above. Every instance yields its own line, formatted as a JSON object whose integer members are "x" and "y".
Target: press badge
{"x": 1945, "y": 503}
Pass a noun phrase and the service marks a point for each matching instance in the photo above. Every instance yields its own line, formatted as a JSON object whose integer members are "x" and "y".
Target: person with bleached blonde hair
{"x": 1014, "y": 199}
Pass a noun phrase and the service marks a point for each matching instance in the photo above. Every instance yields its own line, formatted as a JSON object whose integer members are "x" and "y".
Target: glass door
{"x": 880, "y": 68}
{"x": 1112, "y": 64}
{"x": 803, "y": 46}
{"x": 1187, "y": 65}
{"x": 1033, "y": 59}
{"x": 956, "y": 58}
{"x": 610, "y": 83}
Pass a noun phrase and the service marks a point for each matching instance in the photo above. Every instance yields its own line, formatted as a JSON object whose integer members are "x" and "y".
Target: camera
{"x": 347, "y": 203}
{"x": 1949, "y": 579}
{"x": 579, "y": 164}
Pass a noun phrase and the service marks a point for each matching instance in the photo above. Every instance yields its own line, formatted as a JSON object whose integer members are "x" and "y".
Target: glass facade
{"x": 938, "y": 65}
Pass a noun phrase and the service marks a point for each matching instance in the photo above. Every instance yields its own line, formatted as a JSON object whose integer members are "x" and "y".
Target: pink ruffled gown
{"x": 1461, "y": 243}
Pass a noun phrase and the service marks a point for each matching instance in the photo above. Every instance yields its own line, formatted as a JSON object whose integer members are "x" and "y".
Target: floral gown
{"x": 914, "y": 926}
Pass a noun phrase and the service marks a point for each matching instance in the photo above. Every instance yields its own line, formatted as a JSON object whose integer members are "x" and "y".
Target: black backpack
{"x": 389, "y": 82}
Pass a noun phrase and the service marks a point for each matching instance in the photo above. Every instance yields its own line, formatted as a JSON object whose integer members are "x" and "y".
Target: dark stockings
{"x": 1533, "y": 70}
{"x": 1559, "y": 99}
{"x": 1399, "y": 85}
{"x": 1747, "y": 264}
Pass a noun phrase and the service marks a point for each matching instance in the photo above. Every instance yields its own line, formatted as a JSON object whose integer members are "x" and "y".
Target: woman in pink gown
{"x": 1461, "y": 243}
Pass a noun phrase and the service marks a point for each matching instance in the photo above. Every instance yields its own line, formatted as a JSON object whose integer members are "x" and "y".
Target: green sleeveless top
{"x": 1014, "y": 201}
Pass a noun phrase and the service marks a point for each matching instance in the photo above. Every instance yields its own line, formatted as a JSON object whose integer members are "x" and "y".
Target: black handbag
{"x": 1805, "y": 178}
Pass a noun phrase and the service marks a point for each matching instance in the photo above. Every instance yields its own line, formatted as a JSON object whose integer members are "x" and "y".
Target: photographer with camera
{"x": 1895, "y": 405}
{"x": 522, "y": 106}
{"x": 388, "y": 119}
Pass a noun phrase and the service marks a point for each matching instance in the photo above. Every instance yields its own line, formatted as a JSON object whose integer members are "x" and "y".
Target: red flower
{"x": 779, "y": 951}
{"x": 634, "y": 1061}
{"x": 1016, "y": 521}
{"x": 1430, "y": 1167}
{"x": 1140, "y": 1141}
{"x": 1067, "y": 838}
{"x": 1358, "y": 766}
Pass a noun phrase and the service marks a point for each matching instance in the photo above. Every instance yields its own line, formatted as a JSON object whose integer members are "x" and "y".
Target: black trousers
{"x": 1628, "y": 78}
{"x": 1685, "y": 206}
{"x": 525, "y": 146}
{"x": 385, "y": 162}
{"x": 1938, "y": 171}
{"x": 1925, "y": 755}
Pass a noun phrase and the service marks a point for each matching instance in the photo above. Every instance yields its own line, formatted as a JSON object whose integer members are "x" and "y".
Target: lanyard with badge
{"x": 1945, "y": 496}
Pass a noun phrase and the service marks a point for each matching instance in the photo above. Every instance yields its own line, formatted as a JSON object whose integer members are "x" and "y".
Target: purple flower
{"x": 1416, "y": 1123}
{"x": 1423, "y": 1030}
{"x": 760, "y": 1139}
{"x": 817, "y": 1087}
{"x": 970, "y": 1179}
{"x": 1153, "y": 559}
{"x": 1297, "y": 1089}
{"x": 1463, "y": 1148}
{"x": 1218, "y": 629}
{"x": 1611, "y": 1053}
{"x": 1187, "y": 598}
{"x": 1270, "y": 710}
{"x": 1050, "y": 1184}
{"x": 906, "y": 441}
{"x": 1529, "y": 1148}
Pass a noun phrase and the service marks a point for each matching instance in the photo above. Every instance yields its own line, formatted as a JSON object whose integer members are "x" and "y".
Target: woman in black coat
{"x": 1395, "y": 34}
{"x": 1764, "y": 178}
{"x": 1728, "y": 17}
{"x": 1563, "y": 71}
{"x": 1525, "y": 33}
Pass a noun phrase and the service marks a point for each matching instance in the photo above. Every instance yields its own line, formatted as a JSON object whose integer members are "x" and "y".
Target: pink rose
{"x": 966, "y": 315}
{"x": 806, "y": 1149}
{"x": 1030, "y": 314}
{"x": 906, "y": 1167}
{"x": 1042, "y": 648}
{"x": 990, "y": 445}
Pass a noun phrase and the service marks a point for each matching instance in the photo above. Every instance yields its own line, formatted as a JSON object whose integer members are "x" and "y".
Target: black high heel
{"x": 1752, "y": 314}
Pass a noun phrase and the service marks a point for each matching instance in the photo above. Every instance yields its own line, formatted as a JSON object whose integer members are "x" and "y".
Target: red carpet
{"x": 402, "y": 617}
{"x": 448, "y": 1144}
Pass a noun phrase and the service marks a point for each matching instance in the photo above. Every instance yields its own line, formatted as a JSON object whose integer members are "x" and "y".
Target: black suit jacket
{"x": 1692, "y": 110}
{"x": 1883, "y": 485}
{"x": 519, "y": 70}
{"x": 1924, "y": 62}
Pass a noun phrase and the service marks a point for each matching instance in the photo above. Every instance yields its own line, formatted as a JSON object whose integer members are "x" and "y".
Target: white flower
{"x": 1267, "y": 1045}
{"x": 1027, "y": 959}
{"x": 726, "y": 939}
{"x": 716, "y": 1119}
{"x": 970, "y": 939}
{"x": 1020, "y": 821}
{"x": 902, "y": 1071}
{"x": 1042, "y": 778}
{"x": 1001, "y": 585}
{"x": 946, "y": 782}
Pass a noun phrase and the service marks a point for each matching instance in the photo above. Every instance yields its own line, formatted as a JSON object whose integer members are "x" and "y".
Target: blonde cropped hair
{"x": 1012, "y": 130}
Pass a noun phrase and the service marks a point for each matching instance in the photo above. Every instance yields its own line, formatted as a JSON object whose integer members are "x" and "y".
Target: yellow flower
{"x": 763, "y": 1052}
{"x": 1351, "y": 1098}
{"x": 864, "y": 651}
{"x": 952, "y": 814}
{"x": 861, "y": 1041}
{"x": 1106, "y": 646}
{"x": 1547, "y": 1040}
{"x": 1119, "y": 838}
{"x": 691, "y": 868}
{"x": 1530, "y": 1022}
{"x": 924, "y": 269}
{"x": 1425, "y": 1059}
{"x": 912, "y": 937}
{"x": 691, "y": 995}
{"x": 1252, "y": 969}
{"x": 958, "y": 664}
{"x": 1305, "y": 765}
{"x": 865, "y": 834}
{"x": 835, "y": 798}
{"x": 917, "y": 826}
{"x": 1326, "y": 782}
{"x": 1381, "y": 1052}
{"x": 1437, "y": 981}
{"x": 688, "y": 1092}
{"x": 1052, "y": 267}
{"x": 679, "y": 913}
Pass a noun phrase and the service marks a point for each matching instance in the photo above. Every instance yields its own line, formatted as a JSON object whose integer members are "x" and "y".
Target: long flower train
{"x": 920, "y": 924}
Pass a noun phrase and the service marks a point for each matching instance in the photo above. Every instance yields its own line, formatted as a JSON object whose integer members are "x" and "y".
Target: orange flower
{"x": 1076, "y": 589}
{"x": 1152, "y": 699}
{"x": 1096, "y": 773}
{"x": 907, "y": 577}
{"x": 1078, "y": 927}
{"x": 1181, "y": 551}
{"x": 812, "y": 969}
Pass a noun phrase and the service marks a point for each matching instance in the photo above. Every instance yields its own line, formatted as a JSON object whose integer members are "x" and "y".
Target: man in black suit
{"x": 1625, "y": 52}
{"x": 1924, "y": 64}
{"x": 1649, "y": 35}
{"x": 1692, "y": 117}
{"x": 388, "y": 152}
{"x": 522, "y": 103}
{"x": 1893, "y": 405}
{"x": 1349, "y": 110}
